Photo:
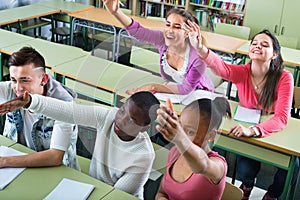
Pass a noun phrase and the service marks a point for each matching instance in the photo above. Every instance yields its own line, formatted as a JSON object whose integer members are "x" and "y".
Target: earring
{"x": 42, "y": 84}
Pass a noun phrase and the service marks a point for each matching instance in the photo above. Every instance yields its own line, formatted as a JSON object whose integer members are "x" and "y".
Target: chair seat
{"x": 30, "y": 24}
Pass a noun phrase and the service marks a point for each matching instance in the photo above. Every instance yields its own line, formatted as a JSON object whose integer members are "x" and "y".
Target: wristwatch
{"x": 256, "y": 131}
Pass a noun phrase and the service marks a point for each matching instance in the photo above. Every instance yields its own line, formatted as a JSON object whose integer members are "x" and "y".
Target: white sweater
{"x": 124, "y": 165}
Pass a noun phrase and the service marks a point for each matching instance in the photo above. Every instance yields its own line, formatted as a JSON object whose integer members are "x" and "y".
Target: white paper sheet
{"x": 188, "y": 98}
{"x": 70, "y": 189}
{"x": 8, "y": 174}
{"x": 247, "y": 115}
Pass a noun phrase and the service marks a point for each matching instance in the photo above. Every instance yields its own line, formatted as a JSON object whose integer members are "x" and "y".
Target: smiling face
{"x": 261, "y": 48}
{"x": 174, "y": 34}
{"x": 27, "y": 78}
{"x": 129, "y": 120}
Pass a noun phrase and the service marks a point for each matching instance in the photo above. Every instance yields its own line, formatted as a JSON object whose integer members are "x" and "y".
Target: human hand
{"x": 112, "y": 6}
{"x": 239, "y": 130}
{"x": 193, "y": 30}
{"x": 14, "y": 104}
{"x": 169, "y": 125}
{"x": 147, "y": 88}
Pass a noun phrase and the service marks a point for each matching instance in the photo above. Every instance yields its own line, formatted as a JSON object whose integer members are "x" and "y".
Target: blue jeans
{"x": 247, "y": 170}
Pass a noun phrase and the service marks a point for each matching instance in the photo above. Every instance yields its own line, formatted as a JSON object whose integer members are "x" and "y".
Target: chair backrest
{"x": 297, "y": 97}
{"x": 161, "y": 19}
{"x": 232, "y": 192}
{"x": 145, "y": 59}
{"x": 217, "y": 80}
{"x": 289, "y": 42}
{"x": 241, "y": 32}
{"x": 126, "y": 11}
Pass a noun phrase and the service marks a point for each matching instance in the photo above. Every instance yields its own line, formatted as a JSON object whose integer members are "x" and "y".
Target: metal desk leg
{"x": 288, "y": 179}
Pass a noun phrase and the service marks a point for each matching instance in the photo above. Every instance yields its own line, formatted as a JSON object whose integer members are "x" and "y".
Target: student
{"x": 179, "y": 62}
{"x": 54, "y": 141}
{"x": 262, "y": 83}
{"x": 123, "y": 153}
{"x": 193, "y": 169}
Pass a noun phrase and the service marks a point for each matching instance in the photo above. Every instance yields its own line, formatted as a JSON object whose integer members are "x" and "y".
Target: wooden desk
{"x": 37, "y": 183}
{"x": 4, "y": 141}
{"x": 100, "y": 74}
{"x": 64, "y": 6}
{"x": 8, "y": 38}
{"x": 24, "y": 13}
{"x": 280, "y": 149}
{"x": 290, "y": 57}
{"x": 53, "y": 53}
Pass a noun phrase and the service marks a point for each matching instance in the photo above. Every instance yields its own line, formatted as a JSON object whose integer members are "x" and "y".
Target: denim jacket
{"x": 42, "y": 128}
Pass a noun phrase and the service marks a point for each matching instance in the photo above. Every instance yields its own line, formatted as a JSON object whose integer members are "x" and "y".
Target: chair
{"x": 84, "y": 164}
{"x": 242, "y": 32}
{"x": 296, "y": 103}
{"x": 145, "y": 59}
{"x": 231, "y": 192}
{"x": 105, "y": 35}
{"x": 289, "y": 42}
{"x": 161, "y": 19}
{"x": 64, "y": 31}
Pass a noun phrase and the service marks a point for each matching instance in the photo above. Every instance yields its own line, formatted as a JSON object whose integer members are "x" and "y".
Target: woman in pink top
{"x": 179, "y": 62}
{"x": 263, "y": 83}
{"x": 193, "y": 169}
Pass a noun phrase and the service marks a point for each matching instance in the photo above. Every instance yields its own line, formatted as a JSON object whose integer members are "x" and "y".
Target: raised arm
{"x": 113, "y": 8}
{"x": 199, "y": 162}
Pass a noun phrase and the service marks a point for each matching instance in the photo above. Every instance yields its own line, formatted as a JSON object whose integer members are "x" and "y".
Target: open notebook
{"x": 251, "y": 116}
{"x": 70, "y": 189}
{"x": 8, "y": 174}
{"x": 187, "y": 98}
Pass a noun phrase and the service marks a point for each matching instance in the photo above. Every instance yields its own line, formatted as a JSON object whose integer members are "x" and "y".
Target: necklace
{"x": 257, "y": 85}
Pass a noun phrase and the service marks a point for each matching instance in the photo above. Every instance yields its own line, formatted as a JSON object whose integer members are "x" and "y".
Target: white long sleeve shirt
{"x": 126, "y": 165}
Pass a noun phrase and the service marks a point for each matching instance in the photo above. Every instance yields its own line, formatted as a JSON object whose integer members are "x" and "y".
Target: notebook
{"x": 247, "y": 115}
{"x": 8, "y": 174}
{"x": 70, "y": 189}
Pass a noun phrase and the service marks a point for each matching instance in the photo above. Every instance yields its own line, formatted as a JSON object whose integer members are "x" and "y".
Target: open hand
{"x": 14, "y": 104}
{"x": 194, "y": 33}
{"x": 239, "y": 130}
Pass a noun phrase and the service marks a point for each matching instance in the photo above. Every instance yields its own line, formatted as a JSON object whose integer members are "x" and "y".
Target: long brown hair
{"x": 268, "y": 94}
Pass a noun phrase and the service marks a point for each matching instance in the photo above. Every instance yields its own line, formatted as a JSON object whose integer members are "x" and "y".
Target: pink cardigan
{"x": 240, "y": 75}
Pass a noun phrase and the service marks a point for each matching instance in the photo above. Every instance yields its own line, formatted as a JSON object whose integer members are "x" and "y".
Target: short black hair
{"x": 27, "y": 55}
{"x": 148, "y": 103}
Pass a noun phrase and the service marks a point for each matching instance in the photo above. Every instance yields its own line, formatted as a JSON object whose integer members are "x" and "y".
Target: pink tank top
{"x": 196, "y": 186}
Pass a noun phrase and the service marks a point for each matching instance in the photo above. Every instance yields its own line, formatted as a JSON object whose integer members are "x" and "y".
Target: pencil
{"x": 169, "y": 104}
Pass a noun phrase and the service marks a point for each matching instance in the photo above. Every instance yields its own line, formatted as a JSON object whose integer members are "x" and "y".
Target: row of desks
{"x": 40, "y": 9}
{"x": 41, "y": 181}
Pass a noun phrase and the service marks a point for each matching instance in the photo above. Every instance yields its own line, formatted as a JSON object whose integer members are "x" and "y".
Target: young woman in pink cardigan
{"x": 179, "y": 62}
{"x": 262, "y": 83}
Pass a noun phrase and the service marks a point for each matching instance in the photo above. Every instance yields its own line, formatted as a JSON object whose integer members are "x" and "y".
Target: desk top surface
{"x": 214, "y": 41}
{"x": 22, "y": 13}
{"x": 8, "y": 38}
{"x": 284, "y": 141}
{"x": 43, "y": 180}
{"x": 53, "y": 53}
{"x": 290, "y": 56}
{"x": 65, "y": 6}
{"x": 100, "y": 72}
{"x": 5, "y": 141}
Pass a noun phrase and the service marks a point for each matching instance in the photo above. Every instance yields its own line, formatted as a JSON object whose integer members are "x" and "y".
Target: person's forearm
{"x": 173, "y": 89}
{"x": 194, "y": 155}
{"x": 124, "y": 19}
{"x": 202, "y": 52}
{"x": 51, "y": 157}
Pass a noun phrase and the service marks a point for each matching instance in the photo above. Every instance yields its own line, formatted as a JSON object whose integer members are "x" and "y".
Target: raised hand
{"x": 14, "y": 104}
{"x": 169, "y": 125}
{"x": 111, "y": 5}
{"x": 194, "y": 33}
